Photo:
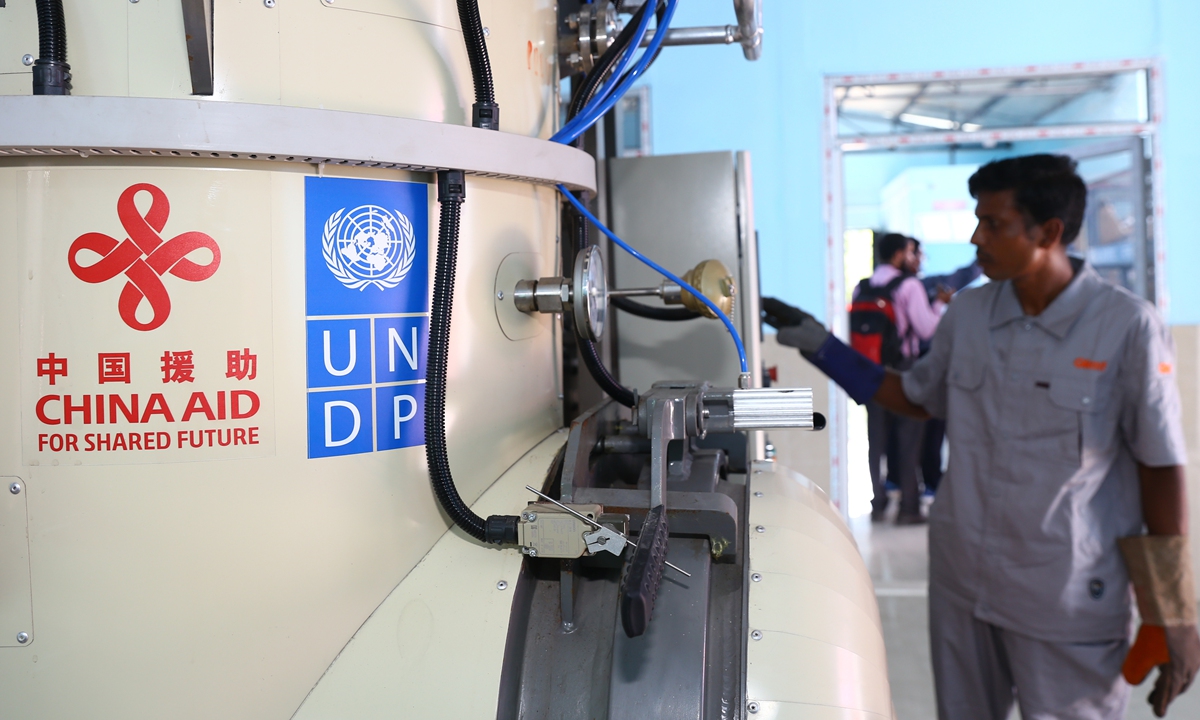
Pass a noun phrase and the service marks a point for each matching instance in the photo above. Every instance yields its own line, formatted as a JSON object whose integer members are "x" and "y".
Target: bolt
{"x": 756, "y": 634}
{"x": 756, "y": 577}
{"x": 532, "y": 552}
{"x": 15, "y": 488}
{"x": 502, "y": 585}
{"x": 499, "y": 294}
{"x": 530, "y": 517}
{"x": 752, "y": 707}
{"x": 22, "y": 637}
{"x": 760, "y": 528}
{"x": 26, "y": 59}
{"x": 758, "y": 493}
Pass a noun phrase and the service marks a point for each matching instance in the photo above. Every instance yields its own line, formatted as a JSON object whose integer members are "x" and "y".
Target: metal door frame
{"x": 834, "y": 149}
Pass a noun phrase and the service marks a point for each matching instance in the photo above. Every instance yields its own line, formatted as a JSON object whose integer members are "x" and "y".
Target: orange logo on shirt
{"x": 1085, "y": 364}
{"x": 1165, "y": 368}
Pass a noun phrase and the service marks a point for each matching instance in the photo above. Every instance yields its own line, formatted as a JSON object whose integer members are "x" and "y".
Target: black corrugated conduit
{"x": 497, "y": 529}
{"x": 51, "y": 73}
{"x": 485, "y": 113}
{"x": 452, "y": 192}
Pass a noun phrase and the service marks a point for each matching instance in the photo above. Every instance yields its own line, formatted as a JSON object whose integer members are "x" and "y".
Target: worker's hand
{"x": 1176, "y": 675}
{"x": 807, "y": 337}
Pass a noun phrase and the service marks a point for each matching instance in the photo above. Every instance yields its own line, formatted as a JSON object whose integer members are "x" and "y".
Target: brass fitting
{"x": 714, "y": 280}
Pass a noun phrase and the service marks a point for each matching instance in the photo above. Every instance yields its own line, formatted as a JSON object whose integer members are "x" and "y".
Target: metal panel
{"x": 16, "y": 602}
{"x": 679, "y": 210}
{"x": 197, "y": 28}
{"x": 662, "y": 674}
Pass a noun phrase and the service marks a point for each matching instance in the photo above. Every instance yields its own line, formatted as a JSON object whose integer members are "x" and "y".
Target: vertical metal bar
{"x": 198, "y": 33}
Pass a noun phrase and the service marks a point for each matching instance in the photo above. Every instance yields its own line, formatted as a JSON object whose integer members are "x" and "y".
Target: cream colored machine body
{"x": 214, "y": 311}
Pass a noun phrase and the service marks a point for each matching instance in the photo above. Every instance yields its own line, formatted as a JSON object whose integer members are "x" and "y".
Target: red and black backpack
{"x": 873, "y": 329}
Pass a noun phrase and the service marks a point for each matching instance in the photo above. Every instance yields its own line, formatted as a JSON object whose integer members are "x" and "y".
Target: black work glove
{"x": 796, "y": 328}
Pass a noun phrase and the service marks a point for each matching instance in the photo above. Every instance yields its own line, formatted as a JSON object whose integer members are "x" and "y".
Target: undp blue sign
{"x": 367, "y": 308}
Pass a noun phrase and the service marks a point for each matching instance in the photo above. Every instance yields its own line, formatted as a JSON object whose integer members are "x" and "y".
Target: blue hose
{"x": 607, "y": 97}
{"x": 737, "y": 340}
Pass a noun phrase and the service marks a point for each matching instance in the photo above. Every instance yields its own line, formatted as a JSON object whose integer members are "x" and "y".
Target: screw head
{"x": 22, "y": 637}
{"x": 756, "y": 634}
{"x": 502, "y": 585}
{"x": 26, "y": 59}
{"x": 760, "y": 528}
{"x": 499, "y": 294}
{"x": 15, "y": 488}
{"x": 752, "y": 707}
{"x": 532, "y": 552}
{"x": 758, "y": 493}
{"x": 487, "y": 32}
{"x": 133, "y": 1}
{"x": 756, "y": 577}
{"x": 531, "y": 516}
{"x": 269, "y": 3}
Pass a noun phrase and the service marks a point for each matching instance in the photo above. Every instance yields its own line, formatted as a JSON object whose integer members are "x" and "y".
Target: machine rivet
{"x": 756, "y": 577}
{"x": 487, "y": 32}
{"x": 756, "y": 634}
{"x": 26, "y": 59}
{"x": 502, "y": 585}
{"x": 752, "y": 707}
{"x": 133, "y": 1}
{"x": 499, "y": 294}
{"x": 760, "y": 528}
{"x": 22, "y": 637}
{"x": 530, "y": 517}
{"x": 15, "y": 488}
{"x": 758, "y": 493}
{"x": 269, "y": 3}
{"x": 532, "y": 552}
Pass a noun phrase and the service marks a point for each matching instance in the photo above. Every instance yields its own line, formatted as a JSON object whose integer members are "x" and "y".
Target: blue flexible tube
{"x": 603, "y": 103}
{"x": 737, "y": 340}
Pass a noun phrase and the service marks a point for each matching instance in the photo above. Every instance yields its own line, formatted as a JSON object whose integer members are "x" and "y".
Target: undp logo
{"x": 367, "y": 304}
{"x": 368, "y": 246}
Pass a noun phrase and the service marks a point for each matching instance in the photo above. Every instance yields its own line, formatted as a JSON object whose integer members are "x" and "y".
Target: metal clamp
{"x": 592, "y": 31}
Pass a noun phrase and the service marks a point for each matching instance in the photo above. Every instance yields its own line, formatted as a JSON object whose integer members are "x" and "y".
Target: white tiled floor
{"x": 897, "y": 558}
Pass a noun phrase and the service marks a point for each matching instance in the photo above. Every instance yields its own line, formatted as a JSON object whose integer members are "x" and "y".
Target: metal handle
{"x": 644, "y": 577}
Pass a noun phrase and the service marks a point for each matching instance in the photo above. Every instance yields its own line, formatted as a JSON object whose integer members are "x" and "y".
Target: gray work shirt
{"x": 1047, "y": 418}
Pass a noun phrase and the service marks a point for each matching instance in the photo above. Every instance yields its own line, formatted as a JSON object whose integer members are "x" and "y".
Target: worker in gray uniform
{"x": 1065, "y": 477}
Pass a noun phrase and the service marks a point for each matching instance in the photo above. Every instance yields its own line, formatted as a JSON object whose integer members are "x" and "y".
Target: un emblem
{"x": 368, "y": 246}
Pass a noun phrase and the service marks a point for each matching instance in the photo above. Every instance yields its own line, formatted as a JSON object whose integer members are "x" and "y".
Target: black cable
{"x": 651, "y": 312}
{"x": 485, "y": 113}
{"x": 592, "y": 81}
{"x": 497, "y": 529}
{"x": 51, "y": 73}
{"x": 587, "y": 349}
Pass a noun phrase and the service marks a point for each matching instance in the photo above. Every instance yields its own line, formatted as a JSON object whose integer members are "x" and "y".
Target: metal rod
{"x": 713, "y": 35}
{"x": 634, "y": 292}
{"x": 595, "y": 524}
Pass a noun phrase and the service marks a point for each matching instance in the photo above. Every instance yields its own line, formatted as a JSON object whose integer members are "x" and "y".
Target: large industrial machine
{"x": 326, "y": 392}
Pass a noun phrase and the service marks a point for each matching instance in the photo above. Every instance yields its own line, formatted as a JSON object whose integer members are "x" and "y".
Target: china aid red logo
{"x": 144, "y": 257}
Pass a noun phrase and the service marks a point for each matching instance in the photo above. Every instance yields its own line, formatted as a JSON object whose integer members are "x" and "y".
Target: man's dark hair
{"x": 1044, "y": 187}
{"x": 890, "y": 244}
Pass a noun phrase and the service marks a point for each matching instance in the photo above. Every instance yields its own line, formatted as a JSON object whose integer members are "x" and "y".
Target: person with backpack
{"x": 889, "y": 318}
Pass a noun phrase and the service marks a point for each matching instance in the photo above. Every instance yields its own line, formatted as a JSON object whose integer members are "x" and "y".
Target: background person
{"x": 915, "y": 320}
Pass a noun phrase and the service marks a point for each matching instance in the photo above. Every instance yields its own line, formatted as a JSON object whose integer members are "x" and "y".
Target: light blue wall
{"x": 709, "y": 98}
